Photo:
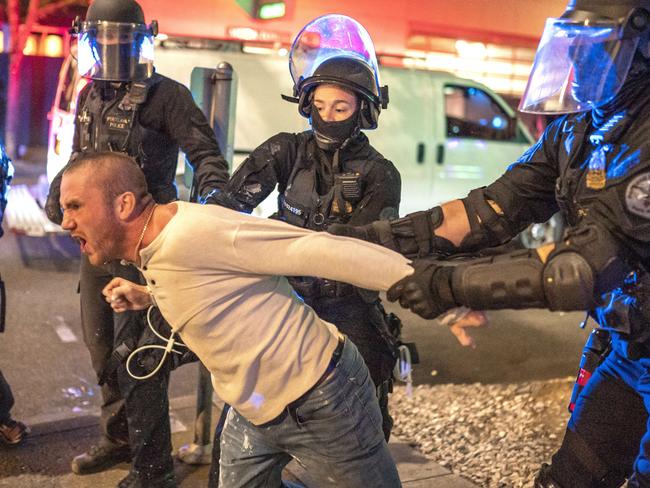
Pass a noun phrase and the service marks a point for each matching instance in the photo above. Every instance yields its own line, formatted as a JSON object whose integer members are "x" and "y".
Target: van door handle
{"x": 440, "y": 154}
{"x": 420, "y": 153}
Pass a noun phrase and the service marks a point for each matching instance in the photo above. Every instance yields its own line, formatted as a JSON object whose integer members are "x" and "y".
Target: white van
{"x": 446, "y": 135}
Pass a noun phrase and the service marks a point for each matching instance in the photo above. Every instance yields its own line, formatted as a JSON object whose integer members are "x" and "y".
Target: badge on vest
{"x": 596, "y": 174}
{"x": 637, "y": 196}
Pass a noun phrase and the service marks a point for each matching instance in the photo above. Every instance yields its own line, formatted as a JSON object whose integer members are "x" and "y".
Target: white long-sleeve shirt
{"x": 218, "y": 277}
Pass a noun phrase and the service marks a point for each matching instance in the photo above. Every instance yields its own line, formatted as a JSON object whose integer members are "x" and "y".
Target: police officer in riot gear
{"x": 593, "y": 163}
{"x": 332, "y": 174}
{"x": 129, "y": 108}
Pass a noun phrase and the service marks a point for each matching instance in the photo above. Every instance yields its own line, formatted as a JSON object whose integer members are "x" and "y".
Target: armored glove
{"x": 427, "y": 292}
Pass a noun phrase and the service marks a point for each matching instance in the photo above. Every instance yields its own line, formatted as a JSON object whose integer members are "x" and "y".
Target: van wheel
{"x": 537, "y": 235}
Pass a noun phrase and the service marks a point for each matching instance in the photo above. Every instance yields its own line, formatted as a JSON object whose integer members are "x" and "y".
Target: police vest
{"x": 114, "y": 125}
{"x": 604, "y": 175}
{"x": 301, "y": 204}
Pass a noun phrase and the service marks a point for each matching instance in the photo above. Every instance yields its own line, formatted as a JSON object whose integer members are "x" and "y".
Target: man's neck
{"x": 154, "y": 219}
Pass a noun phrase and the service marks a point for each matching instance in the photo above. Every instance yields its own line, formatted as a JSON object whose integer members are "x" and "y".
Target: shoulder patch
{"x": 637, "y": 195}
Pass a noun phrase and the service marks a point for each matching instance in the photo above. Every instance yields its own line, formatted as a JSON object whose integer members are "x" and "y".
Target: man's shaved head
{"x": 113, "y": 173}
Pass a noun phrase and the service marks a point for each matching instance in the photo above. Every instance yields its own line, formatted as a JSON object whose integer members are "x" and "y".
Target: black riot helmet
{"x": 584, "y": 56}
{"x": 122, "y": 11}
{"x": 114, "y": 43}
{"x": 336, "y": 49}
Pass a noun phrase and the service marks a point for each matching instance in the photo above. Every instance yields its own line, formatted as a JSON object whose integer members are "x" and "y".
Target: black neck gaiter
{"x": 332, "y": 135}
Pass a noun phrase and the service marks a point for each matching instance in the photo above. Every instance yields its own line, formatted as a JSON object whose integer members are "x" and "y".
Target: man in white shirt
{"x": 297, "y": 387}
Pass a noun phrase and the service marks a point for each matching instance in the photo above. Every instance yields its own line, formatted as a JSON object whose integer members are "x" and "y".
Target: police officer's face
{"x": 89, "y": 217}
{"x": 334, "y": 103}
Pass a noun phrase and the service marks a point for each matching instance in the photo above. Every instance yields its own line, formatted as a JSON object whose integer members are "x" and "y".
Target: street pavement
{"x": 43, "y": 356}
{"x": 44, "y": 458}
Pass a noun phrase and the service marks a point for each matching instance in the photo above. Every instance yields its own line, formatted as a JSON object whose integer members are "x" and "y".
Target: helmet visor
{"x": 327, "y": 37}
{"x": 115, "y": 51}
{"x": 578, "y": 66}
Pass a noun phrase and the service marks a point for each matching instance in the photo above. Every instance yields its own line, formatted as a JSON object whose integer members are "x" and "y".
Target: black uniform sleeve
{"x": 525, "y": 193}
{"x": 265, "y": 168}
{"x": 52, "y": 205}
{"x": 185, "y": 123}
{"x": 381, "y": 196}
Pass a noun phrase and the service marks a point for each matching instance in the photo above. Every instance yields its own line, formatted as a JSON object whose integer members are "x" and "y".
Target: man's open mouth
{"x": 82, "y": 243}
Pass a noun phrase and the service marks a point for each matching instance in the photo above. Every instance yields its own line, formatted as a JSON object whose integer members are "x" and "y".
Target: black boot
{"x": 101, "y": 457}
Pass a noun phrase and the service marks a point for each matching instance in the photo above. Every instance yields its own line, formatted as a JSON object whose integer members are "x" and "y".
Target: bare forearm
{"x": 455, "y": 224}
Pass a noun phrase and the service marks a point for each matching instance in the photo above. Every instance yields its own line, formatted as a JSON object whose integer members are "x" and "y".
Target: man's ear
{"x": 124, "y": 205}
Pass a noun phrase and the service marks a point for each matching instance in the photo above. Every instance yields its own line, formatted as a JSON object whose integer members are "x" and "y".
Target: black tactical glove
{"x": 427, "y": 292}
{"x": 52, "y": 205}
{"x": 413, "y": 235}
{"x": 378, "y": 232}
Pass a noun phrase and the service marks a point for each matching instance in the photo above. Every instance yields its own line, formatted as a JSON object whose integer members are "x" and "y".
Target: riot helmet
{"x": 114, "y": 43}
{"x": 584, "y": 56}
{"x": 336, "y": 49}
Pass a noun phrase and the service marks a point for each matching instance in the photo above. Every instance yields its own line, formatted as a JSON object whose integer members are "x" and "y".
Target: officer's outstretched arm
{"x": 466, "y": 225}
{"x": 570, "y": 275}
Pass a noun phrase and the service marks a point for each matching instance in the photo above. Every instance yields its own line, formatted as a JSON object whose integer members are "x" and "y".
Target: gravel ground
{"x": 495, "y": 435}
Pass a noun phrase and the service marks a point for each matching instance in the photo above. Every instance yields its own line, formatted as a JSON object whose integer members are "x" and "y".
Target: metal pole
{"x": 215, "y": 92}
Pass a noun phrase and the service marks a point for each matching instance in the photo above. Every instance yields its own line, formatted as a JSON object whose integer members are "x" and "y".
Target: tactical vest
{"x": 595, "y": 167}
{"x": 114, "y": 125}
{"x": 302, "y": 206}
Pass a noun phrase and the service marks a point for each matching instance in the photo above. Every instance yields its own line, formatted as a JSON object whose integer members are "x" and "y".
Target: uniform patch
{"x": 637, "y": 196}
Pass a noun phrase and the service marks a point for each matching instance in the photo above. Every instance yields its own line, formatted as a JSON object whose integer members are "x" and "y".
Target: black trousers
{"x": 607, "y": 438}
{"x": 6, "y": 399}
{"x": 351, "y": 315}
{"x": 133, "y": 411}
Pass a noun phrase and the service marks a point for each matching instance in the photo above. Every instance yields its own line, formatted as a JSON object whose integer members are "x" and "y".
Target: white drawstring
{"x": 171, "y": 342}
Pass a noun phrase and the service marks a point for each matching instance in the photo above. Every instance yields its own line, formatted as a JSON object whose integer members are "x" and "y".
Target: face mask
{"x": 330, "y": 135}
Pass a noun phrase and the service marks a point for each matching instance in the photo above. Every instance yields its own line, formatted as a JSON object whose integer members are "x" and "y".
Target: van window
{"x": 471, "y": 113}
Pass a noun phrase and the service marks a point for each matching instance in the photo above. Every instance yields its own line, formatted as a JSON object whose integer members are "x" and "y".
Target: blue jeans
{"x": 334, "y": 431}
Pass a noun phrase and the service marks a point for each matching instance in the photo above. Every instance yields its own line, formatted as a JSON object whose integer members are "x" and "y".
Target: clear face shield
{"x": 115, "y": 51}
{"x": 327, "y": 37}
{"x": 578, "y": 66}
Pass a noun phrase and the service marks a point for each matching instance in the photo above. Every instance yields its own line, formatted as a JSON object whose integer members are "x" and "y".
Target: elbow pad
{"x": 568, "y": 282}
{"x": 414, "y": 235}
